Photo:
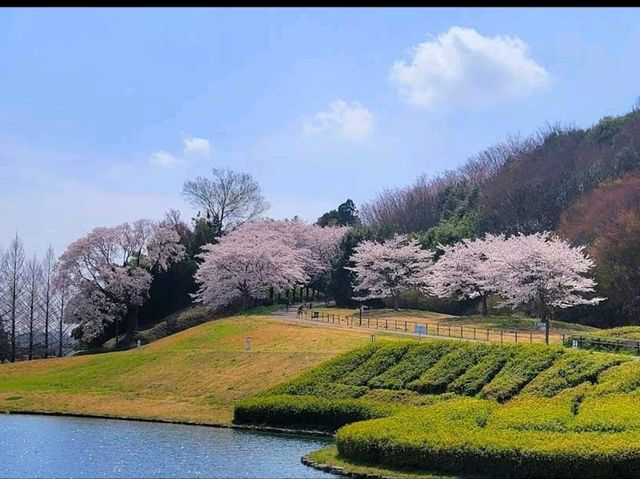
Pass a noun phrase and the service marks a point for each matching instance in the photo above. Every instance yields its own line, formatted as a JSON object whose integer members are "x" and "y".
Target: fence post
{"x": 461, "y": 332}
{"x": 385, "y": 323}
{"x": 449, "y": 330}
{"x": 474, "y": 333}
{"x": 516, "y": 337}
{"x": 437, "y": 329}
{"x": 395, "y": 324}
{"x": 501, "y": 336}
{"x": 405, "y": 326}
{"x": 530, "y": 338}
{"x": 487, "y": 334}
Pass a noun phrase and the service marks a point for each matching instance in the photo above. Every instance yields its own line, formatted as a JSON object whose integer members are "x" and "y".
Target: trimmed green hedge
{"x": 384, "y": 358}
{"x": 307, "y": 412}
{"x": 527, "y": 361}
{"x": 475, "y": 378}
{"x": 456, "y": 437}
{"x": 571, "y": 369}
{"x": 414, "y": 363}
{"x": 436, "y": 379}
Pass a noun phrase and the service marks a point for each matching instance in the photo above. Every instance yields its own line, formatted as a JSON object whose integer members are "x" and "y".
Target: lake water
{"x": 48, "y": 446}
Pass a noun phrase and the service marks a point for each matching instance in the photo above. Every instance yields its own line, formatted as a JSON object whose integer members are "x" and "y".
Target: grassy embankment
{"x": 196, "y": 375}
{"x": 468, "y": 408}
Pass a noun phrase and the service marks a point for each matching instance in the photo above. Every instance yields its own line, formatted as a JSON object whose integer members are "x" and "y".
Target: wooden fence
{"x": 432, "y": 328}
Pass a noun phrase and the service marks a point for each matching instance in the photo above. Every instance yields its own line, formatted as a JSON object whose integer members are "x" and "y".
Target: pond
{"x": 50, "y": 446}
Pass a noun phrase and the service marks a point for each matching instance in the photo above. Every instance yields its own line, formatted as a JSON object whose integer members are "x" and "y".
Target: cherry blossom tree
{"x": 264, "y": 255}
{"x": 465, "y": 270}
{"x": 390, "y": 268}
{"x": 108, "y": 273}
{"x": 245, "y": 264}
{"x": 542, "y": 272}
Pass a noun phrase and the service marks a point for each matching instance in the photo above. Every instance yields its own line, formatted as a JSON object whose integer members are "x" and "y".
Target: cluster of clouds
{"x": 192, "y": 148}
{"x": 458, "y": 68}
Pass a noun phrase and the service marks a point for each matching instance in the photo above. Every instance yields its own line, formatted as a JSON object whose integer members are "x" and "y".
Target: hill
{"x": 194, "y": 376}
{"x": 583, "y": 183}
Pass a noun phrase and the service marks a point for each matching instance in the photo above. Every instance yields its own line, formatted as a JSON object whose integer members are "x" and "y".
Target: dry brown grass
{"x": 196, "y": 375}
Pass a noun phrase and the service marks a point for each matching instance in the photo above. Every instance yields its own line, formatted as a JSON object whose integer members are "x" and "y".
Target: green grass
{"x": 329, "y": 456}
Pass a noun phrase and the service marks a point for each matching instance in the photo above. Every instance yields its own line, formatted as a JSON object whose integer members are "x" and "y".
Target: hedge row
{"x": 477, "y": 376}
{"x": 458, "y": 437}
{"x": 526, "y": 362}
{"x": 307, "y": 412}
{"x": 385, "y": 357}
{"x": 571, "y": 369}
{"x": 452, "y": 365}
{"x": 415, "y": 362}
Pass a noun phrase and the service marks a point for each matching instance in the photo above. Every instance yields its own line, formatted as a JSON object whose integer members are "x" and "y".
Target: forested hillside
{"x": 580, "y": 183}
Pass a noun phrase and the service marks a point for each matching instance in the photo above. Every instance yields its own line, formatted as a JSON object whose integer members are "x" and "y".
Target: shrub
{"x": 314, "y": 380}
{"x": 449, "y": 367}
{"x": 573, "y": 368}
{"x": 415, "y": 362}
{"x": 619, "y": 379}
{"x": 526, "y": 363}
{"x": 457, "y": 437}
{"x": 307, "y": 412}
{"x": 476, "y": 377}
{"x": 619, "y": 412}
{"x": 404, "y": 396}
{"x": 384, "y": 358}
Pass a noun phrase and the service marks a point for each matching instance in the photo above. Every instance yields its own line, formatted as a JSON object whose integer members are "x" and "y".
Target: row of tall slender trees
{"x": 31, "y": 307}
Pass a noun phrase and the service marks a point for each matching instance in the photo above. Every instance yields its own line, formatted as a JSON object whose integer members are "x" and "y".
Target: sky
{"x": 104, "y": 113}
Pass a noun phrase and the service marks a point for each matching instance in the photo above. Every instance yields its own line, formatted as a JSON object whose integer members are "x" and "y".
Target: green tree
{"x": 341, "y": 281}
{"x": 345, "y": 215}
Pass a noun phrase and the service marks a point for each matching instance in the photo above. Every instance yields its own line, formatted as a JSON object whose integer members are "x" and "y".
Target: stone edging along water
{"x": 340, "y": 471}
{"x": 278, "y": 430}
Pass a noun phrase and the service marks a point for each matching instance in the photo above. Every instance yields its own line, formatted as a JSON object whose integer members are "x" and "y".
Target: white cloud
{"x": 349, "y": 120}
{"x": 196, "y": 146}
{"x": 164, "y": 159}
{"x": 461, "y": 67}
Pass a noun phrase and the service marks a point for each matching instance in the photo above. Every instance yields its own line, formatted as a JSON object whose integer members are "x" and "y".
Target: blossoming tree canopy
{"x": 390, "y": 268}
{"x": 465, "y": 270}
{"x": 109, "y": 271}
{"x": 543, "y": 272}
{"x": 264, "y": 255}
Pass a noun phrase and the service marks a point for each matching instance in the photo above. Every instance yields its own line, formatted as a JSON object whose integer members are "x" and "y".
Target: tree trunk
{"x": 46, "y": 329}
{"x": 60, "y": 326}
{"x": 483, "y": 306}
{"x": 547, "y": 323}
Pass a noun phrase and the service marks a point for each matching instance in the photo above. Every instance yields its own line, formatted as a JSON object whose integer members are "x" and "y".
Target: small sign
{"x": 574, "y": 344}
{"x": 421, "y": 329}
{"x": 542, "y": 326}
{"x": 373, "y": 337}
{"x": 247, "y": 343}
{"x": 139, "y": 344}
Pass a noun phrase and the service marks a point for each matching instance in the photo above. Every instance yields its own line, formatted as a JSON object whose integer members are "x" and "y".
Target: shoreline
{"x": 240, "y": 427}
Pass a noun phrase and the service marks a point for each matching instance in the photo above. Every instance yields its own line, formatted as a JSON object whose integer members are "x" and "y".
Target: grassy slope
{"x": 196, "y": 375}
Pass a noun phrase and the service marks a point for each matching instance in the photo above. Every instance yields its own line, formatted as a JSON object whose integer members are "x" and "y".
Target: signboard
{"x": 421, "y": 329}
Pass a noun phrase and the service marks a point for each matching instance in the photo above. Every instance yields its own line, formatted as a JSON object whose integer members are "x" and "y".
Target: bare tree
{"x": 47, "y": 299}
{"x": 12, "y": 279}
{"x": 33, "y": 283}
{"x": 228, "y": 198}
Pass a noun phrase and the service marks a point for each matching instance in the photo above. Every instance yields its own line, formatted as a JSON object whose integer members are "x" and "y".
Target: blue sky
{"x": 105, "y": 112}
